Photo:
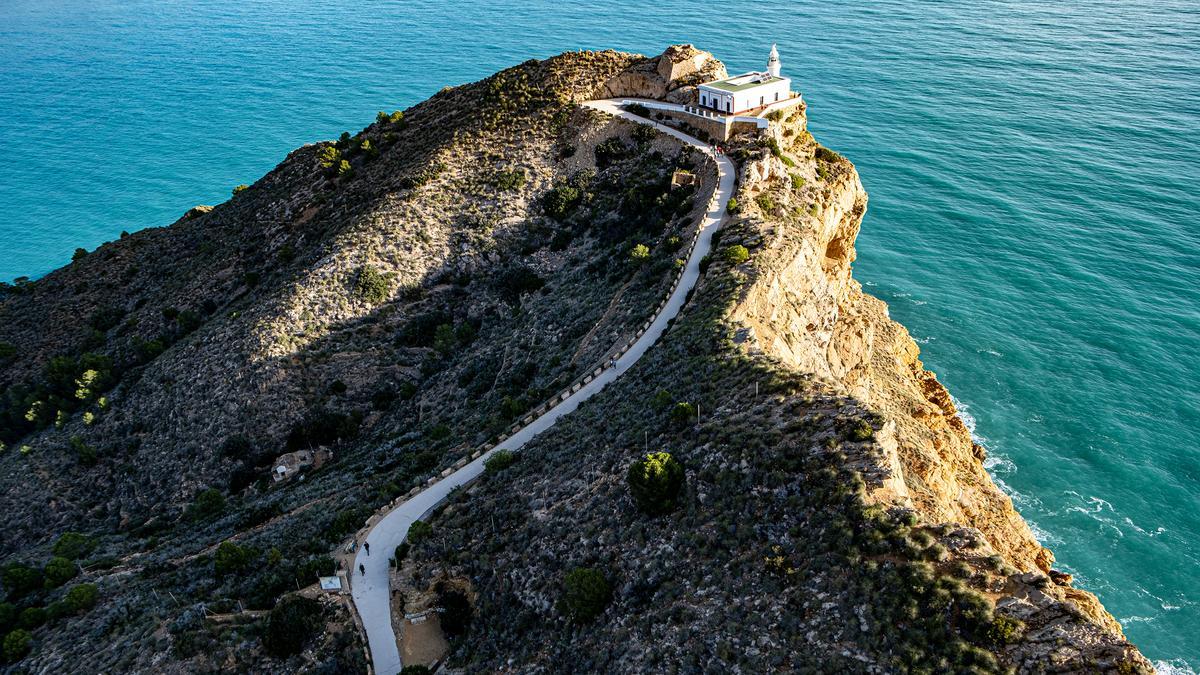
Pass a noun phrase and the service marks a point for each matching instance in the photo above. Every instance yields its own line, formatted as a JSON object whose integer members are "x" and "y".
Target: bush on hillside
{"x": 17, "y": 644}
{"x": 372, "y": 285}
{"x": 59, "y": 571}
{"x": 610, "y": 151}
{"x": 208, "y": 504}
{"x": 323, "y": 427}
{"x": 82, "y": 597}
{"x": 639, "y": 254}
{"x": 231, "y": 558}
{"x": 655, "y": 482}
{"x": 683, "y": 413}
{"x": 638, "y": 109}
{"x": 19, "y": 579}
{"x": 560, "y": 200}
{"x": 499, "y": 461}
{"x": 510, "y": 180}
{"x": 418, "y": 532}
{"x": 737, "y": 254}
{"x": 291, "y": 624}
{"x": 74, "y": 545}
{"x": 585, "y": 594}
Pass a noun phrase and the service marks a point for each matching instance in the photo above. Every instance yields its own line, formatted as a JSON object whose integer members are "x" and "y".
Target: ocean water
{"x": 1032, "y": 167}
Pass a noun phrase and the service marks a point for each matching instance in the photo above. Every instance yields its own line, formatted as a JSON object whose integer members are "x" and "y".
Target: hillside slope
{"x": 396, "y": 297}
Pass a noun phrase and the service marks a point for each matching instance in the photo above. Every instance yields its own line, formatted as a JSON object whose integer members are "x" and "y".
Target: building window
{"x": 776, "y": 96}
{"x": 703, "y": 101}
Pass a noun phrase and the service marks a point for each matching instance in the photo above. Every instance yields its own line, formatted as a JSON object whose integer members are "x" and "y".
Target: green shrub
{"x": 512, "y": 179}
{"x": 638, "y": 109}
{"x": 59, "y": 609}
{"x": 418, "y": 532}
{"x": 372, "y": 285}
{"x": 59, "y": 571}
{"x": 560, "y": 200}
{"x": 8, "y": 616}
{"x": 824, "y": 154}
{"x": 639, "y": 254}
{"x": 683, "y": 413}
{"x": 82, "y": 597}
{"x": 444, "y": 339}
{"x": 346, "y": 522}
{"x": 765, "y": 202}
{"x": 737, "y": 254}
{"x": 401, "y": 552}
{"x": 499, "y": 461}
{"x": 609, "y": 151}
{"x": 17, "y": 645}
{"x": 73, "y": 545}
{"x": 344, "y": 169}
{"x": 32, "y": 617}
{"x": 1004, "y": 630}
{"x": 291, "y": 624}
{"x": 860, "y": 431}
{"x": 78, "y": 254}
{"x": 323, "y": 427}
{"x": 384, "y": 118}
{"x": 797, "y": 181}
{"x": 240, "y": 188}
{"x": 643, "y": 134}
{"x": 516, "y": 281}
{"x": 732, "y": 205}
{"x": 8, "y": 352}
{"x": 19, "y": 579}
{"x": 585, "y": 594}
{"x": 655, "y": 482}
{"x": 329, "y": 156}
{"x": 231, "y": 558}
{"x": 208, "y": 504}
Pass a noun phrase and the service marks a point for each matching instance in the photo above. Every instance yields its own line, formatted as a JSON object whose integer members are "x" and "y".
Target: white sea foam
{"x": 1136, "y": 619}
{"x": 1174, "y": 667}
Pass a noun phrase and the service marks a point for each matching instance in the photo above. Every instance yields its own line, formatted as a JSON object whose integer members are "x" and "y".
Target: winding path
{"x": 370, "y": 591}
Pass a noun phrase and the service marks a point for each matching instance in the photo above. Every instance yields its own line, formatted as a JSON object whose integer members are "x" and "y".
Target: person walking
{"x": 362, "y": 569}
{"x": 367, "y": 548}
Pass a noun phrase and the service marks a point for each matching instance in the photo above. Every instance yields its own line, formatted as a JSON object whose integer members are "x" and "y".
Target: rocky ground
{"x": 398, "y": 297}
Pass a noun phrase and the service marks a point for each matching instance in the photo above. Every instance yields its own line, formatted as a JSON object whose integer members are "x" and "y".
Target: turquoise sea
{"x": 1033, "y": 170}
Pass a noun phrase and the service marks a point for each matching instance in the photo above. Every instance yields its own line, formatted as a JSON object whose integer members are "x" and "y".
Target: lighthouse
{"x": 745, "y": 92}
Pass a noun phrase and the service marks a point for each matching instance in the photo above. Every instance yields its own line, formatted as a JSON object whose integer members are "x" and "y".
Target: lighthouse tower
{"x": 773, "y": 62}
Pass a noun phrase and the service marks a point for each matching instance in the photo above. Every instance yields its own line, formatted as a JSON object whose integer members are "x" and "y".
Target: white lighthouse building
{"x": 747, "y": 91}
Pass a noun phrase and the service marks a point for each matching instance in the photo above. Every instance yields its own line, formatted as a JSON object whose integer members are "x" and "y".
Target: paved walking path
{"x": 370, "y": 591}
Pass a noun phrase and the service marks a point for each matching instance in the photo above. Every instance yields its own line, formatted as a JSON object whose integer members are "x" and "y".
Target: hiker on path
{"x": 367, "y": 548}
{"x": 362, "y": 569}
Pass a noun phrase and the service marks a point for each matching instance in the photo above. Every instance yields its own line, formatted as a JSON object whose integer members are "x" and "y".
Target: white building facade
{"x": 747, "y": 91}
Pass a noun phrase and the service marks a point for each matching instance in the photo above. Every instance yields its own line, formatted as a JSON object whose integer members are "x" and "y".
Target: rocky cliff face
{"x": 805, "y": 308}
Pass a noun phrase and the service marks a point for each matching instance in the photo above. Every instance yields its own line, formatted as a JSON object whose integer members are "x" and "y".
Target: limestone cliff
{"x": 804, "y": 307}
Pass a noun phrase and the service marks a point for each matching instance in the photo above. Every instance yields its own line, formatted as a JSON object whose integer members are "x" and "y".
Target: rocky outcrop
{"x": 671, "y": 76}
